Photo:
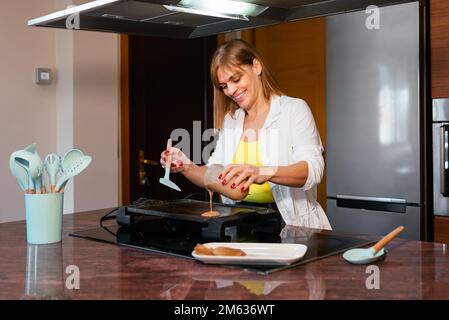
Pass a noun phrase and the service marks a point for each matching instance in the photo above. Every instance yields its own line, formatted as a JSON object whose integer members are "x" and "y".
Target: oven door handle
{"x": 444, "y": 159}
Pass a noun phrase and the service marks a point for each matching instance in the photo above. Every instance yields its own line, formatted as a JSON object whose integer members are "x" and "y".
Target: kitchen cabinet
{"x": 441, "y": 229}
{"x": 439, "y": 38}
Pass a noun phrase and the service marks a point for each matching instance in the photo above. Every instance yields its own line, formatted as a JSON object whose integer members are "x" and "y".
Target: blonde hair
{"x": 234, "y": 54}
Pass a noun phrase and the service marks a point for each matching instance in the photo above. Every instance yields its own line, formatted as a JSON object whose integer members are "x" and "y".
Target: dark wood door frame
{"x": 124, "y": 120}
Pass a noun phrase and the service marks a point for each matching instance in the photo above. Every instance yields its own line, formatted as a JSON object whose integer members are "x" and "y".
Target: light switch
{"x": 43, "y": 76}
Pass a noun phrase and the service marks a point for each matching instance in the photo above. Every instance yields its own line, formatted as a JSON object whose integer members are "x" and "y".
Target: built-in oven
{"x": 441, "y": 156}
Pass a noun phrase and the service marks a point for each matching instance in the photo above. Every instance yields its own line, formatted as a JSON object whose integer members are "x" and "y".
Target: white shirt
{"x": 289, "y": 135}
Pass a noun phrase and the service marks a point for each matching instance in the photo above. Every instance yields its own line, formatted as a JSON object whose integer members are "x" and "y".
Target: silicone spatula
{"x": 376, "y": 252}
{"x": 166, "y": 179}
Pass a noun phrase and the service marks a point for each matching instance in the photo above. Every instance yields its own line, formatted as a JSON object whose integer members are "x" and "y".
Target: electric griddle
{"x": 187, "y": 214}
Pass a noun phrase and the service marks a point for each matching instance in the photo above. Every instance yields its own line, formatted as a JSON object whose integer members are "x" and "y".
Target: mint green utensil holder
{"x": 44, "y": 217}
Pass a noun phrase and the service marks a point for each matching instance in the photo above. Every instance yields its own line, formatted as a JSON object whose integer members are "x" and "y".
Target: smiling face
{"x": 241, "y": 84}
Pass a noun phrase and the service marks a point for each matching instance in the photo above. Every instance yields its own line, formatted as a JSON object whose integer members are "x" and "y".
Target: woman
{"x": 268, "y": 141}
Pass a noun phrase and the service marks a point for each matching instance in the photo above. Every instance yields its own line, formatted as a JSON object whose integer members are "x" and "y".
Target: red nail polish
{"x": 219, "y": 177}
{"x": 242, "y": 188}
{"x": 233, "y": 186}
{"x": 166, "y": 152}
{"x": 224, "y": 182}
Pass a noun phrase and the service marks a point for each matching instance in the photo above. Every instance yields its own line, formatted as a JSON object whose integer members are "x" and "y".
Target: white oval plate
{"x": 256, "y": 253}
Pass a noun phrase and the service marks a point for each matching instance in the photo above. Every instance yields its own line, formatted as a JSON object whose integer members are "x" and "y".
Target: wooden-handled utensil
{"x": 376, "y": 252}
{"x": 386, "y": 240}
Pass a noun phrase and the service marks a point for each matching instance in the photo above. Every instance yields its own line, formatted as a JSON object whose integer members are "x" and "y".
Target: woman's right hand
{"x": 179, "y": 161}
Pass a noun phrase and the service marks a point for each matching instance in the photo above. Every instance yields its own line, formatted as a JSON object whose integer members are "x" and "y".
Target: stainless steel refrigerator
{"x": 373, "y": 128}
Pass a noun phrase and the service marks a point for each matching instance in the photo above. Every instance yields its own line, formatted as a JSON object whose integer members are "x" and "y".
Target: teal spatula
{"x": 376, "y": 252}
{"x": 33, "y": 165}
{"x": 18, "y": 171}
{"x": 166, "y": 179}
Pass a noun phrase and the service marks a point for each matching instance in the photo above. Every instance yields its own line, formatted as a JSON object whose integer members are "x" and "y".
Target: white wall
{"x": 80, "y": 109}
{"x": 96, "y": 112}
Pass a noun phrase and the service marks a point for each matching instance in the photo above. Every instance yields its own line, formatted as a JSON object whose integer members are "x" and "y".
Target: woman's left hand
{"x": 243, "y": 172}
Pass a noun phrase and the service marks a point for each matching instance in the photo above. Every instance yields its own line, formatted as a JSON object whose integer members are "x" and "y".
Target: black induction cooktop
{"x": 178, "y": 239}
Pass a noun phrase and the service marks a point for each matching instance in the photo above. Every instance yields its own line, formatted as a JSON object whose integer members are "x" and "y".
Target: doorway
{"x": 169, "y": 88}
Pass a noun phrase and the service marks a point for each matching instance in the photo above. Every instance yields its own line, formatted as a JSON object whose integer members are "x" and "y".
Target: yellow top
{"x": 248, "y": 153}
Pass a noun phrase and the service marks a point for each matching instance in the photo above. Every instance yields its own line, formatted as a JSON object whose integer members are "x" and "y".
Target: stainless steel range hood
{"x": 152, "y": 18}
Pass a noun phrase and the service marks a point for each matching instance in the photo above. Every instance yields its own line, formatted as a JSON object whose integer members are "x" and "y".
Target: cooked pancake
{"x": 200, "y": 249}
{"x": 224, "y": 251}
